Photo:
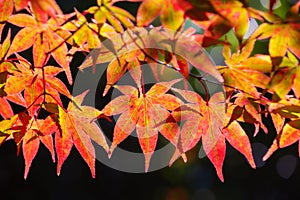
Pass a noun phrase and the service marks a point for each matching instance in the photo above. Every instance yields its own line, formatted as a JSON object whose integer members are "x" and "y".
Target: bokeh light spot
{"x": 286, "y": 166}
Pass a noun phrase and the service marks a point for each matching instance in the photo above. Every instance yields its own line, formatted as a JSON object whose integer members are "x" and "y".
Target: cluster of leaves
{"x": 254, "y": 85}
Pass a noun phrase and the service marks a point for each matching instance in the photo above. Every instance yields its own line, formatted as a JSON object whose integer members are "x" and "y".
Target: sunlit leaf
{"x": 171, "y": 17}
{"x": 5, "y": 126}
{"x": 63, "y": 139}
{"x": 44, "y": 9}
{"x": 24, "y": 39}
{"x": 22, "y": 20}
{"x": 145, "y": 112}
{"x": 237, "y": 137}
{"x": 6, "y": 9}
{"x": 251, "y": 112}
{"x": 115, "y": 70}
{"x": 76, "y": 127}
{"x": 5, "y": 108}
{"x": 240, "y": 70}
{"x": 283, "y": 37}
{"x": 235, "y": 13}
{"x": 216, "y": 153}
{"x": 289, "y": 135}
{"x": 31, "y": 145}
{"x": 20, "y": 4}
{"x": 148, "y": 11}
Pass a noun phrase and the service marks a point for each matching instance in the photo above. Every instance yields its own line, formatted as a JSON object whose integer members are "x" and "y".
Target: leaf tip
{"x": 110, "y": 151}
{"x": 58, "y": 170}
{"x": 109, "y": 154}
{"x": 252, "y": 164}
{"x": 93, "y": 173}
{"x": 174, "y": 157}
{"x": 147, "y": 161}
{"x": 107, "y": 87}
{"x": 184, "y": 157}
{"x": 26, "y": 173}
{"x": 221, "y": 178}
{"x": 271, "y": 150}
{"x": 220, "y": 174}
{"x": 265, "y": 157}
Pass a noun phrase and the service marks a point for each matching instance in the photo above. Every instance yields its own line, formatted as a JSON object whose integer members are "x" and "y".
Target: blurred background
{"x": 276, "y": 179}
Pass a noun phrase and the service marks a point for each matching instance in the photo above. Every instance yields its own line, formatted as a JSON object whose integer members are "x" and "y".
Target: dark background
{"x": 278, "y": 178}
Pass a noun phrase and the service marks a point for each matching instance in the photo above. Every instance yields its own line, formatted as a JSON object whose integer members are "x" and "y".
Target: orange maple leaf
{"x": 145, "y": 111}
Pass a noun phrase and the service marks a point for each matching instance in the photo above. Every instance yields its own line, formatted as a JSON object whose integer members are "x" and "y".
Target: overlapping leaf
{"x": 105, "y": 11}
{"x": 236, "y": 13}
{"x": 286, "y": 77}
{"x": 243, "y": 69}
{"x": 76, "y": 128}
{"x": 39, "y": 85}
{"x": 168, "y": 11}
{"x": 283, "y": 37}
{"x": 250, "y": 112}
{"x": 41, "y": 9}
{"x": 5, "y": 108}
{"x": 5, "y": 128}
{"x": 43, "y": 40}
{"x": 206, "y": 120}
{"x": 288, "y": 136}
{"x": 32, "y": 139}
{"x": 6, "y": 9}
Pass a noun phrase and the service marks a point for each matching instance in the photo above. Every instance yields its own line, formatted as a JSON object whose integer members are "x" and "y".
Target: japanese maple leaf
{"x": 237, "y": 137}
{"x": 286, "y": 77}
{"x": 76, "y": 127}
{"x": 6, "y": 9}
{"x": 249, "y": 111}
{"x": 218, "y": 17}
{"x": 288, "y": 136}
{"x": 196, "y": 11}
{"x": 130, "y": 62}
{"x": 289, "y": 108}
{"x": 168, "y": 10}
{"x": 235, "y": 13}
{"x": 117, "y": 68}
{"x": 243, "y": 69}
{"x": 42, "y": 9}
{"x": 43, "y": 39}
{"x": 206, "y": 120}
{"x": 5, "y": 66}
{"x": 144, "y": 111}
{"x": 5, "y": 128}
{"x": 287, "y": 133}
{"x": 85, "y": 35}
{"x": 212, "y": 127}
{"x": 191, "y": 113}
{"x": 37, "y": 131}
{"x": 276, "y": 32}
{"x": 36, "y": 84}
{"x": 28, "y": 133}
{"x": 189, "y": 51}
{"x": 105, "y": 11}
{"x": 118, "y": 52}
